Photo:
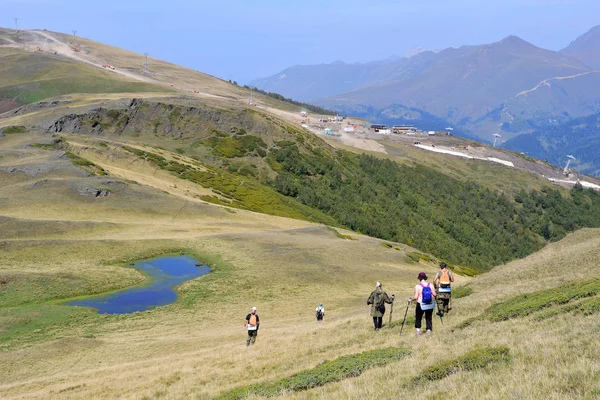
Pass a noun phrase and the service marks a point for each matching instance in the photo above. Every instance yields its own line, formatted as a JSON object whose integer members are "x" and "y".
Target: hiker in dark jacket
{"x": 377, "y": 301}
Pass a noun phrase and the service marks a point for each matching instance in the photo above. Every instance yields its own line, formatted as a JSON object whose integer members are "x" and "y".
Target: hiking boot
{"x": 428, "y": 332}
{"x": 418, "y": 333}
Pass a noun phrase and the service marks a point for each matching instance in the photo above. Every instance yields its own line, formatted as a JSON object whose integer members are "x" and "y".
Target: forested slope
{"x": 461, "y": 222}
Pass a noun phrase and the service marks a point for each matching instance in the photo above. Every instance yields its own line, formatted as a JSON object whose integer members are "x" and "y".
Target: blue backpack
{"x": 427, "y": 298}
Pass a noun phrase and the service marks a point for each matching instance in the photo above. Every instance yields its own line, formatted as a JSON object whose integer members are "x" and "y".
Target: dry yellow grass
{"x": 197, "y": 353}
{"x": 130, "y": 65}
{"x": 195, "y": 348}
{"x": 281, "y": 265}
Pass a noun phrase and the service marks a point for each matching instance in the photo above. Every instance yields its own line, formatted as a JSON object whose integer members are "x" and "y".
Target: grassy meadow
{"x": 75, "y": 216}
{"x": 46, "y": 76}
{"x": 487, "y": 174}
{"x": 59, "y": 244}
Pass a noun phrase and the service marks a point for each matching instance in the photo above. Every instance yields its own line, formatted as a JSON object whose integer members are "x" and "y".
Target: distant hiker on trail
{"x": 442, "y": 283}
{"x": 377, "y": 300}
{"x": 424, "y": 296}
{"x": 251, "y": 324}
{"x": 320, "y": 312}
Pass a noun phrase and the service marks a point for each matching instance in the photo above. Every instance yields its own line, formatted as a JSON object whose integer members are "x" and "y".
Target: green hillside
{"x": 243, "y": 155}
{"x": 461, "y": 222}
{"x": 30, "y": 77}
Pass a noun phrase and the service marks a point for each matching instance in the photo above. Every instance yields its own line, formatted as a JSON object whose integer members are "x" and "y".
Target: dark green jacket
{"x": 383, "y": 298}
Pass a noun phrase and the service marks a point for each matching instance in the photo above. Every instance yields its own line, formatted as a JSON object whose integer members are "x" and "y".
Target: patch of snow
{"x": 503, "y": 162}
{"x": 459, "y": 154}
{"x": 436, "y": 150}
{"x": 585, "y": 184}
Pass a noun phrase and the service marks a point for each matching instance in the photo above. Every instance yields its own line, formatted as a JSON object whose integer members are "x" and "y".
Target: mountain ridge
{"x": 586, "y": 48}
{"x": 483, "y": 89}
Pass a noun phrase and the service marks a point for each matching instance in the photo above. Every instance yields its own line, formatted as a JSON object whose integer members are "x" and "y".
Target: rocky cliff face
{"x": 177, "y": 121}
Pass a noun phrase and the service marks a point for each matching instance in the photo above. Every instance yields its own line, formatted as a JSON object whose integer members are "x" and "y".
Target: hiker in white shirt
{"x": 320, "y": 312}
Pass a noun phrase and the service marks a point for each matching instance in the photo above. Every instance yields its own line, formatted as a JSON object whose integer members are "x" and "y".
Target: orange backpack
{"x": 252, "y": 320}
{"x": 445, "y": 277}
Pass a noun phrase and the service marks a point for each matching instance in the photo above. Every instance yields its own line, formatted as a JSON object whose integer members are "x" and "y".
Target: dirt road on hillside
{"x": 50, "y": 44}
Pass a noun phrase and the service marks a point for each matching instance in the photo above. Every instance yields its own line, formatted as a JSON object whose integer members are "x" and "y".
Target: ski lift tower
{"x": 251, "y": 101}
{"x": 496, "y": 136}
{"x": 146, "y": 62}
{"x": 566, "y": 170}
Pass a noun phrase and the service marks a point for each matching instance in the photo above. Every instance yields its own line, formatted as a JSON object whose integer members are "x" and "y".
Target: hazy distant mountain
{"x": 306, "y": 82}
{"x": 586, "y": 48}
{"x": 579, "y": 137}
{"x": 509, "y": 86}
{"x": 414, "y": 51}
{"x": 398, "y": 114}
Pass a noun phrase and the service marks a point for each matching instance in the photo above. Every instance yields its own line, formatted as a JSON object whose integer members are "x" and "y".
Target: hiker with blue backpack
{"x": 424, "y": 296}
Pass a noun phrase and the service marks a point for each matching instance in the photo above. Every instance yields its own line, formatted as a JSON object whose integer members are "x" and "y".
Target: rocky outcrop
{"x": 31, "y": 107}
{"x": 89, "y": 122}
{"x": 93, "y": 191}
{"x": 31, "y": 170}
{"x": 36, "y": 184}
{"x": 174, "y": 120}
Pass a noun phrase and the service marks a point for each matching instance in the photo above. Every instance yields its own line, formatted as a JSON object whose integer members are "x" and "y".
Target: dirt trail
{"x": 546, "y": 82}
{"x": 49, "y": 43}
{"x": 66, "y": 50}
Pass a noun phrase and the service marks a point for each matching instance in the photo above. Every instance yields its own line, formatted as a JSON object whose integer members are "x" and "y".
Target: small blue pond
{"x": 165, "y": 273}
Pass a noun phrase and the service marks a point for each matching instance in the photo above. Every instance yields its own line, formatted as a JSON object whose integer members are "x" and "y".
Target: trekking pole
{"x": 439, "y": 313}
{"x": 404, "y": 320}
{"x": 391, "y": 311}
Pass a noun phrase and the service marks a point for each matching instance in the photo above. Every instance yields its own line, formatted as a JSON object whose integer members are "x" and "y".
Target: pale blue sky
{"x": 242, "y": 40}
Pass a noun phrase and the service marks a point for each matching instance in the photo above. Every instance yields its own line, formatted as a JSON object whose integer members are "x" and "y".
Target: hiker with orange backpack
{"x": 442, "y": 282}
{"x": 424, "y": 296}
{"x": 252, "y": 323}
